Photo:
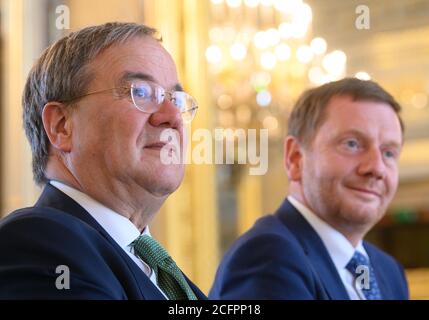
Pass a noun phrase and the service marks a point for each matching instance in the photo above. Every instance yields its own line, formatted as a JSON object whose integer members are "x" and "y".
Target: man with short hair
{"x": 341, "y": 157}
{"x": 95, "y": 105}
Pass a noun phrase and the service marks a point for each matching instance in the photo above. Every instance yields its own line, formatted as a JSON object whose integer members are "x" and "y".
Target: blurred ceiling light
{"x": 283, "y": 52}
{"x": 251, "y": 3}
{"x": 299, "y": 29}
{"x": 238, "y": 51}
{"x": 280, "y": 5}
{"x": 303, "y": 13}
{"x": 267, "y": 3}
{"x": 335, "y": 62}
{"x": 273, "y": 36}
{"x": 217, "y": 1}
{"x": 316, "y": 75}
{"x": 362, "y": 75}
{"x": 340, "y": 55}
{"x": 304, "y": 54}
{"x": 285, "y": 30}
{"x": 224, "y": 101}
{"x": 213, "y": 54}
{"x": 263, "y": 98}
{"x": 233, "y": 3}
{"x": 318, "y": 45}
{"x": 419, "y": 100}
{"x": 328, "y": 78}
{"x": 286, "y": 6}
{"x": 270, "y": 123}
{"x": 268, "y": 60}
{"x": 260, "y": 40}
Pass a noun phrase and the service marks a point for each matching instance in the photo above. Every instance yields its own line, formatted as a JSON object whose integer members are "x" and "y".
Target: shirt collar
{"x": 339, "y": 248}
{"x": 122, "y": 230}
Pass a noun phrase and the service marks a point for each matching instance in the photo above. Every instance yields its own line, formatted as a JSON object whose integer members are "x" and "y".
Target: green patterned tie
{"x": 170, "y": 278}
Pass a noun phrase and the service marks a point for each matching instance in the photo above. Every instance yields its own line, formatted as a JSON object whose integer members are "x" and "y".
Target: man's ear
{"x": 293, "y": 158}
{"x": 57, "y": 122}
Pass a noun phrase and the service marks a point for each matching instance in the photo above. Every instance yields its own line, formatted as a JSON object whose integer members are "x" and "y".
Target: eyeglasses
{"x": 148, "y": 97}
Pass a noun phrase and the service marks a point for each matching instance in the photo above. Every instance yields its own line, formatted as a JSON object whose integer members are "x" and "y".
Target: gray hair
{"x": 61, "y": 74}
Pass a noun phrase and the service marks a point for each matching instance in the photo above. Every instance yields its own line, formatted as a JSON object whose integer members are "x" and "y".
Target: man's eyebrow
{"x": 355, "y": 132}
{"x": 393, "y": 144}
{"x": 363, "y": 135}
{"x": 129, "y": 76}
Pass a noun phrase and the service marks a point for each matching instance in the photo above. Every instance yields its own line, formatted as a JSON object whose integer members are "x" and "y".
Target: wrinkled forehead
{"x": 136, "y": 56}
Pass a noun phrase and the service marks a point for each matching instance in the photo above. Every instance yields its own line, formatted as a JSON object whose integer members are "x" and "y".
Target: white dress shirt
{"x": 122, "y": 230}
{"x": 339, "y": 248}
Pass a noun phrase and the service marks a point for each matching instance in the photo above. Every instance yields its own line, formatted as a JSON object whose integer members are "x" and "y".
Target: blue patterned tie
{"x": 358, "y": 265}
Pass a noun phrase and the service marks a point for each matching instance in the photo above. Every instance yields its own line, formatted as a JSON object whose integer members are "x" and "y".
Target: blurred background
{"x": 245, "y": 61}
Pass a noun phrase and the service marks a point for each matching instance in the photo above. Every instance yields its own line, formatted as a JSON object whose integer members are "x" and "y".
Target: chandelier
{"x": 261, "y": 56}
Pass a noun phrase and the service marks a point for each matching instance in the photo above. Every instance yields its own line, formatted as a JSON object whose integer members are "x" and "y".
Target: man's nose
{"x": 168, "y": 115}
{"x": 373, "y": 164}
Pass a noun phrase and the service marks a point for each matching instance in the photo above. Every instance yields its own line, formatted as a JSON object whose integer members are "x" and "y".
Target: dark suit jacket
{"x": 58, "y": 231}
{"x": 282, "y": 257}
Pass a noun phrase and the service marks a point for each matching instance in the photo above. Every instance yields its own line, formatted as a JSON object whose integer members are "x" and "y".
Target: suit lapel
{"x": 318, "y": 256}
{"x": 54, "y": 198}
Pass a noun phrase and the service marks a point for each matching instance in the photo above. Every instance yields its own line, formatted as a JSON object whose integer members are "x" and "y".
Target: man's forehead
{"x": 345, "y": 110}
{"x": 345, "y": 115}
{"x": 140, "y": 57}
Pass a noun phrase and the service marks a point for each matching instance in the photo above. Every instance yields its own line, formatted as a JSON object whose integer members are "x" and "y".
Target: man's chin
{"x": 162, "y": 192}
{"x": 365, "y": 215}
{"x": 162, "y": 189}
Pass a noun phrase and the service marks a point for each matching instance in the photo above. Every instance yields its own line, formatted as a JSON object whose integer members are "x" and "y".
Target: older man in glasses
{"x": 95, "y": 106}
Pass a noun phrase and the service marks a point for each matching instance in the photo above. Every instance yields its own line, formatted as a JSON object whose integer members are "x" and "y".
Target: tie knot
{"x": 150, "y": 250}
{"x": 358, "y": 260}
